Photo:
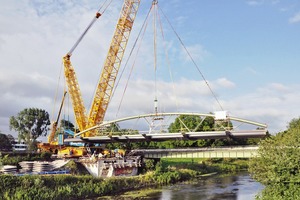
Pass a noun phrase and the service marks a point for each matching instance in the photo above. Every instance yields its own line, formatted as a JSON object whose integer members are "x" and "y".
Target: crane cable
{"x": 141, "y": 32}
{"x": 56, "y": 92}
{"x": 168, "y": 60}
{"x": 139, "y": 35}
{"x": 195, "y": 64}
{"x": 131, "y": 70}
{"x": 154, "y": 5}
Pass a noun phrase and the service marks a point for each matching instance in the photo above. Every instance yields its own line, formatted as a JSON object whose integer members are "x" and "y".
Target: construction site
{"x": 87, "y": 141}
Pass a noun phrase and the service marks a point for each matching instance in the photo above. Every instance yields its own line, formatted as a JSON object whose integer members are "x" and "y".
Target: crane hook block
{"x": 98, "y": 15}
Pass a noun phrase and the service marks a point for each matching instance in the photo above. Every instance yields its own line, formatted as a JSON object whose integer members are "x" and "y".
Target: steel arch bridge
{"x": 154, "y": 133}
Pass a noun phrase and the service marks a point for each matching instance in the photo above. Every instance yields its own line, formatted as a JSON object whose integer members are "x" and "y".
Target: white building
{"x": 19, "y": 145}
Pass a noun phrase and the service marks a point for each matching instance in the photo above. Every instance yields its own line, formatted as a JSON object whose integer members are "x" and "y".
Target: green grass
{"x": 203, "y": 165}
{"x": 182, "y": 160}
{"x": 139, "y": 194}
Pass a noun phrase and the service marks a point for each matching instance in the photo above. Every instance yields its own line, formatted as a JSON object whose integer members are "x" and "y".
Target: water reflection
{"x": 234, "y": 187}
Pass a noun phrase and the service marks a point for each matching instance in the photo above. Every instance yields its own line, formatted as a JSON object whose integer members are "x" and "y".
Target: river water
{"x": 226, "y": 187}
{"x": 231, "y": 187}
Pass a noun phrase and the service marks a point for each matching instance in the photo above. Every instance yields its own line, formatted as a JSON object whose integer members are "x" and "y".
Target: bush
{"x": 1, "y": 164}
{"x": 277, "y": 164}
{"x": 280, "y": 191}
{"x": 160, "y": 167}
{"x": 149, "y": 164}
{"x": 15, "y": 158}
{"x": 72, "y": 167}
{"x": 45, "y": 155}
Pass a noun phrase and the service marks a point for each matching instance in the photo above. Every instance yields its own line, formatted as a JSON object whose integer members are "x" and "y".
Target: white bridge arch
{"x": 259, "y": 130}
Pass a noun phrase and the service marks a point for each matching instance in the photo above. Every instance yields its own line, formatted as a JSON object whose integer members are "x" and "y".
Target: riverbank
{"x": 218, "y": 187}
{"x": 81, "y": 187}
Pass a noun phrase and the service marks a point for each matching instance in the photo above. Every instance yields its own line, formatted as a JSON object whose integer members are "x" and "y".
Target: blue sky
{"x": 243, "y": 38}
{"x": 248, "y": 51}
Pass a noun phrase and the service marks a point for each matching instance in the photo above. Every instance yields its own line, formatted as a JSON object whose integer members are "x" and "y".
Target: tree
{"x": 1, "y": 163}
{"x": 4, "y": 142}
{"x": 196, "y": 123}
{"x": 11, "y": 138}
{"x": 66, "y": 124}
{"x": 294, "y": 123}
{"x": 30, "y": 124}
{"x": 191, "y": 123}
{"x": 278, "y": 163}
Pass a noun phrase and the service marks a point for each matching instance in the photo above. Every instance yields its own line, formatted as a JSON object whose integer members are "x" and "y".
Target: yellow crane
{"x": 104, "y": 87}
{"x": 52, "y": 145}
{"x": 109, "y": 71}
{"x": 54, "y": 125}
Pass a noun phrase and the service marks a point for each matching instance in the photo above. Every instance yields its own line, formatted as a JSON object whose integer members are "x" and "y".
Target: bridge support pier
{"x": 108, "y": 167}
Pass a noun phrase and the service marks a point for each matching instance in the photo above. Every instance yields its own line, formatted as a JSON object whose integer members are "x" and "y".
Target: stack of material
{"x": 42, "y": 167}
{"x": 37, "y": 167}
{"x": 27, "y": 166}
{"x": 9, "y": 169}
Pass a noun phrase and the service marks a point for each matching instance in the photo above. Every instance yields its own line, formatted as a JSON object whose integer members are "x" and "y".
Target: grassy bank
{"x": 204, "y": 166}
{"x": 81, "y": 187}
{"x": 167, "y": 171}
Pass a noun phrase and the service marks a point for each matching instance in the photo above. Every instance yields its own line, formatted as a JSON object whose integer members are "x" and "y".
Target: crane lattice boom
{"x": 75, "y": 94}
{"x": 112, "y": 62}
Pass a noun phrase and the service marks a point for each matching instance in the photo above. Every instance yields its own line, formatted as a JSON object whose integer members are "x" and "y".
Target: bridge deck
{"x": 220, "y": 152}
{"x": 171, "y": 136}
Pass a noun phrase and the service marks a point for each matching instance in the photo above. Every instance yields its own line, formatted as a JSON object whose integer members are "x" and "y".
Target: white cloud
{"x": 279, "y": 87}
{"x": 181, "y": 20}
{"x": 274, "y": 104}
{"x": 251, "y": 71}
{"x": 295, "y": 18}
{"x": 184, "y": 95}
{"x": 225, "y": 83}
{"x": 261, "y": 2}
{"x": 196, "y": 51}
{"x": 255, "y": 2}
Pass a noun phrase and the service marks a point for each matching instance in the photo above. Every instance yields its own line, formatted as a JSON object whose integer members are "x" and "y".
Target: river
{"x": 226, "y": 187}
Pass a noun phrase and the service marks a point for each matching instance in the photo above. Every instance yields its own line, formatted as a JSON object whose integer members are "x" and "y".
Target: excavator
{"x": 104, "y": 87}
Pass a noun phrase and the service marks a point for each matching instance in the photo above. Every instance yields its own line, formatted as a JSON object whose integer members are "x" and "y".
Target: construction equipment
{"x": 105, "y": 85}
{"x": 53, "y": 146}
{"x": 109, "y": 72}
{"x": 54, "y": 125}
